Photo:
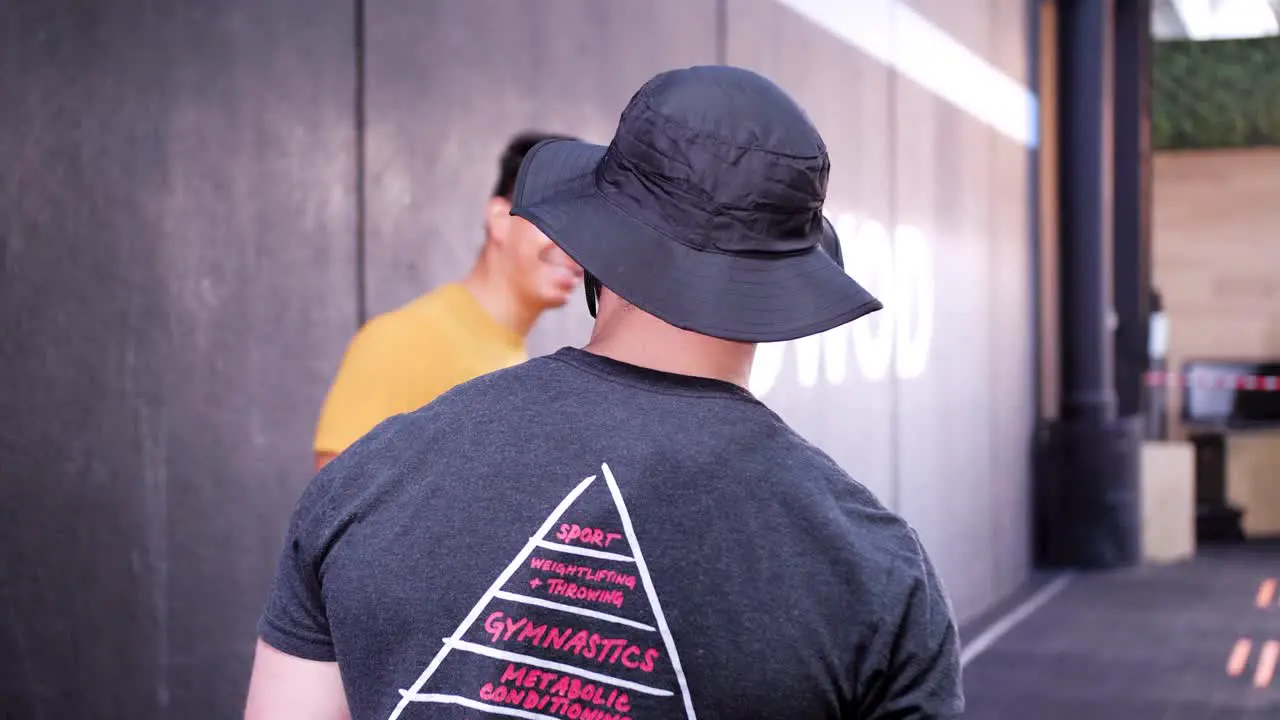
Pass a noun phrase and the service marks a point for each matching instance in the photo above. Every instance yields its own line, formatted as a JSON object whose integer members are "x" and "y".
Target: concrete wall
{"x": 450, "y": 81}
{"x": 176, "y": 243}
{"x": 934, "y": 410}
{"x": 948, "y": 444}
{"x": 178, "y": 219}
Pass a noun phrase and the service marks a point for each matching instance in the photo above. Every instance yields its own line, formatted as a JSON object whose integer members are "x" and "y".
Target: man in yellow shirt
{"x": 403, "y": 359}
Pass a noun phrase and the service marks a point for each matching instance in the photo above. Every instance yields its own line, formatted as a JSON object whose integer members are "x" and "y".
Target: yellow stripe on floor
{"x": 1239, "y": 657}
{"x": 1266, "y": 664}
{"x": 1266, "y": 593}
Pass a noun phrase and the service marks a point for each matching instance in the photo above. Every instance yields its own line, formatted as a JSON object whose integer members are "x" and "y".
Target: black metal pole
{"x": 1132, "y": 281}
{"x": 1088, "y": 384}
{"x": 1089, "y": 499}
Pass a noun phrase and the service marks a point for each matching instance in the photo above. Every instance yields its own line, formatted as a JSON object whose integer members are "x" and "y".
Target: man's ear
{"x": 498, "y": 218}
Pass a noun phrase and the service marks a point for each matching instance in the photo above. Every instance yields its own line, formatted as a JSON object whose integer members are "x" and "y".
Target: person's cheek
{"x": 540, "y": 270}
{"x": 561, "y": 259}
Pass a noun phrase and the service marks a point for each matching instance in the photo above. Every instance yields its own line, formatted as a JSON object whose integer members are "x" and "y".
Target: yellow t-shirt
{"x": 404, "y": 359}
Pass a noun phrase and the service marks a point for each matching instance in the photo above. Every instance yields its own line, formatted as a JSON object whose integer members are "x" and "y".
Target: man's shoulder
{"x": 868, "y": 522}
{"x": 531, "y": 382}
{"x": 382, "y": 331}
{"x": 437, "y": 299}
{"x": 402, "y": 331}
{"x": 814, "y": 463}
{"x": 514, "y": 397}
{"x": 410, "y": 314}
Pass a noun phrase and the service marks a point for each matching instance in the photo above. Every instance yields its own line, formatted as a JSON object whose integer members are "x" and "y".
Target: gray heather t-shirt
{"x": 580, "y": 538}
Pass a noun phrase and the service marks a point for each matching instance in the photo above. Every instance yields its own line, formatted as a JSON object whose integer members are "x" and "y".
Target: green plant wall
{"x": 1224, "y": 93}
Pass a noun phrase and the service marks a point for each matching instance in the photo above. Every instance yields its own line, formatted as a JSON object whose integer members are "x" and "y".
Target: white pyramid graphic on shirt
{"x": 579, "y": 581}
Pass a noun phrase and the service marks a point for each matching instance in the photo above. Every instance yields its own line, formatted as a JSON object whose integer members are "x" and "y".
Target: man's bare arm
{"x": 284, "y": 687}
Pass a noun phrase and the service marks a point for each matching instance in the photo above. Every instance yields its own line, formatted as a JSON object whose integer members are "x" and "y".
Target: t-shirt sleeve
{"x": 295, "y": 621}
{"x": 362, "y": 392}
{"x": 922, "y": 677}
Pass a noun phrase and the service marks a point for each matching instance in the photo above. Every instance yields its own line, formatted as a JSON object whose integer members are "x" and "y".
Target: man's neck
{"x": 499, "y": 301}
{"x": 670, "y": 349}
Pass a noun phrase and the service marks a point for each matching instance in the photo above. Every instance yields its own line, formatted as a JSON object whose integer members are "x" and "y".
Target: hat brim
{"x": 747, "y": 299}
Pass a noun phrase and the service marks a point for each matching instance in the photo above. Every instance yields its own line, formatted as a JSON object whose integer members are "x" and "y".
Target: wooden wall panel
{"x": 1050, "y": 325}
{"x": 1216, "y": 253}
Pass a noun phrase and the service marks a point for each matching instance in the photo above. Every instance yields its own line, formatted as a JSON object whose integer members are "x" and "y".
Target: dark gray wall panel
{"x": 176, "y": 221}
{"x": 1013, "y": 366}
{"x": 177, "y": 283}
{"x": 946, "y": 446}
{"x": 945, "y": 435}
{"x": 450, "y": 81}
{"x": 848, "y": 98}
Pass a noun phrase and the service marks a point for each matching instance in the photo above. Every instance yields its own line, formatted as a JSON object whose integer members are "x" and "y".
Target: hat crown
{"x": 730, "y": 145}
{"x": 705, "y": 210}
{"x": 735, "y": 106}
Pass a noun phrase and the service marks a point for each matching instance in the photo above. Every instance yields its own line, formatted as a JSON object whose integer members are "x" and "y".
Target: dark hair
{"x": 513, "y": 155}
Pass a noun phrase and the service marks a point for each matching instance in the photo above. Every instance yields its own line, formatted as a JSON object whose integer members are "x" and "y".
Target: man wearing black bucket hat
{"x": 624, "y": 530}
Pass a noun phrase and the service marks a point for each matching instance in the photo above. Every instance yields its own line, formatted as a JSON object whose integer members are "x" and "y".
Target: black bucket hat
{"x": 704, "y": 211}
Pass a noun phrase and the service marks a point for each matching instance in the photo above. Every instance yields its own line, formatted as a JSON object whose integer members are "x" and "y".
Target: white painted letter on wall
{"x": 898, "y": 269}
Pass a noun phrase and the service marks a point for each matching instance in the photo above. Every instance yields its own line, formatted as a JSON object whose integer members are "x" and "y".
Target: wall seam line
{"x": 361, "y": 274}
